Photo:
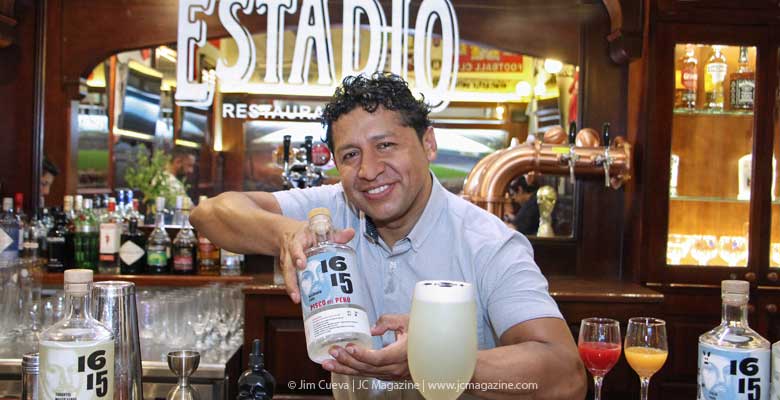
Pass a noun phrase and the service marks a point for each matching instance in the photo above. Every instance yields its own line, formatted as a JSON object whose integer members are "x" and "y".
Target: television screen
{"x": 141, "y": 105}
{"x": 194, "y": 124}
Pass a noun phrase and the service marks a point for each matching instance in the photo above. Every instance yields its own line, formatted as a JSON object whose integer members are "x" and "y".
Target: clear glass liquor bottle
{"x": 77, "y": 353}
{"x": 332, "y": 288}
{"x": 158, "y": 246}
{"x": 733, "y": 358}
{"x": 10, "y": 231}
{"x": 714, "y": 79}
{"x": 185, "y": 247}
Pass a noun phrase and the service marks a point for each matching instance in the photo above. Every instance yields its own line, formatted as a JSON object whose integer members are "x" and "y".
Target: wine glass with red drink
{"x": 600, "y": 346}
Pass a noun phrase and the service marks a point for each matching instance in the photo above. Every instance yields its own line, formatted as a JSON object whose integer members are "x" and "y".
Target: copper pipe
{"x": 471, "y": 184}
{"x": 494, "y": 175}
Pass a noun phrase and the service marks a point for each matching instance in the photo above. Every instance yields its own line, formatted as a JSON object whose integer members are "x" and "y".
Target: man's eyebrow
{"x": 372, "y": 137}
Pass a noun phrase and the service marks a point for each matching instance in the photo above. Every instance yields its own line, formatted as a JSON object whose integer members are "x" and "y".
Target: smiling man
{"x": 405, "y": 227}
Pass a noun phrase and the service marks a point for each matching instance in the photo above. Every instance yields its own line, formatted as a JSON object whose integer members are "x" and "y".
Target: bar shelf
{"x": 56, "y": 279}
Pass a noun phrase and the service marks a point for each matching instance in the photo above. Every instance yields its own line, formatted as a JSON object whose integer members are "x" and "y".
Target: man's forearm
{"x": 235, "y": 222}
{"x": 528, "y": 370}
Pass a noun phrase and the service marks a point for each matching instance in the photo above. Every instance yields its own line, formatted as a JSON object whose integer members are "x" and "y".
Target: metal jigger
{"x": 183, "y": 363}
{"x": 114, "y": 305}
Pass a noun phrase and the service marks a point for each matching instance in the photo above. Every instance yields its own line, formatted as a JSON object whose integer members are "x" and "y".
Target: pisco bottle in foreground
{"x": 77, "y": 353}
{"x": 733, "y": 359}
{"x": 332, "y": 293}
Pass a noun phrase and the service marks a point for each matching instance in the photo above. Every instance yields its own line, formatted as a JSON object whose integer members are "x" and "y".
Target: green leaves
{"x": 148, "y": 175}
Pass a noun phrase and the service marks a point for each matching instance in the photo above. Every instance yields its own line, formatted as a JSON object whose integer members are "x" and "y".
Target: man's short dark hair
{"x": 49, "y": 167}
{"x": 180, "y": 151}
{"x": 380, "y": 89}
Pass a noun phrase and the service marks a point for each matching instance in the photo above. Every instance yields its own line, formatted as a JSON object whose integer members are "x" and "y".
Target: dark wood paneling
{"x": 17, "y": 65}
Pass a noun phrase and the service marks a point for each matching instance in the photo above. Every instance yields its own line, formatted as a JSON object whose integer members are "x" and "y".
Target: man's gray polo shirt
{"x": 453, "y": 240}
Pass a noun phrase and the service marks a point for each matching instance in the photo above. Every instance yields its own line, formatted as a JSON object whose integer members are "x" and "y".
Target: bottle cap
{"x": 319, "y": 211}
{"x": 735, "y": 287}
{"x": 31, "y": 363}
{"x": 78, "y": 280}
{"x": 160, "y": 203}
{"x": 8, "y": 203}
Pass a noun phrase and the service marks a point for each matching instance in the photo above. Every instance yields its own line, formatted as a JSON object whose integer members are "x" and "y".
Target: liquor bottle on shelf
{"x": 55, "y": 242}
{"x": 70, "y": 231}
{"x": 742, "y": 87}
{"x": 178, "y": 215}
{"x": 331, "y": 273}
{"x": 714, "y": 78}
{"x": 85, "y": 240}
{"x": 79, "y": 345}
{"x": 19, "y": 208}
{"x": 208, "y": 254}
{"x": 31, "y": 245}
{"x": 39, "y": 231}
{"x": 733, "y": 358}
{"x": 158, "y": 246}
{"x": 185, "y": 246}
{"x": 132, "y": 254}
{"x": 688, "y": 79}
{"x": 10, "y": 234}
{"x": 230, "y": 263}
{"x": 110, "y": 232}
{"x": 130, "y": 205}
{"x": 120, "y": 204}
{"x": 744, "y": 170}
{"x": 46, "y": 218}
{"x": 134, "y": 213}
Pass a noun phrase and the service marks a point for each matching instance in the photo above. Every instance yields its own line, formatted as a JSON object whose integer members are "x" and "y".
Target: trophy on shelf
{"x": 744, "y": 170}
{"x": 675, "y": 166}
{"x": 546, "y": 198}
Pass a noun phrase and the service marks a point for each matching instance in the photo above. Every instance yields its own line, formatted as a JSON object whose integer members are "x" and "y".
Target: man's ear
{"x": 429, "y": 144}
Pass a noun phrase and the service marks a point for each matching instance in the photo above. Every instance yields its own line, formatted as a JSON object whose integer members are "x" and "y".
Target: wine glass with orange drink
{"x": 646, "y": 348}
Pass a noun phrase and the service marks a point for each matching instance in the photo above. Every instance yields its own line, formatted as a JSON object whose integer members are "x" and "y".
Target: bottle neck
{"x": 323, "y": 237}
{"x": 159, "y": 219}
{"x": 78, "y": 304}
{"x": 734, "y": 313}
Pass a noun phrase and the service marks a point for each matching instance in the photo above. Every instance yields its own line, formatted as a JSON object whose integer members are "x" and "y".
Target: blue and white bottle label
{"x": 327, "y": 280}
{"x": 733, "y": 374}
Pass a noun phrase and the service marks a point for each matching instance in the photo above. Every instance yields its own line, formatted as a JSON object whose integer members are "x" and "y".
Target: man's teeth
{"x": 379, "y": 189}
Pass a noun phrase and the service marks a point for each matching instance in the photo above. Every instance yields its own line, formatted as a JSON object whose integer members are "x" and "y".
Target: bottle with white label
{"x": 77, "y": 353}
{"x": 333, "y": 297}
{"x": 733, "y": 359}
{"x": 110, "y": 233}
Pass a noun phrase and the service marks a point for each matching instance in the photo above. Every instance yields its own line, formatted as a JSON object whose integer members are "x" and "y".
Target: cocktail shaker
{"x": 114, "y": 305}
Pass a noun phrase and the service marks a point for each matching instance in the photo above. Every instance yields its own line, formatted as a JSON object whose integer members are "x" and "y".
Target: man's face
{"x": 46, "y": 180}
{"x": 383, "y": 165}
{"x": 184, "y": 166}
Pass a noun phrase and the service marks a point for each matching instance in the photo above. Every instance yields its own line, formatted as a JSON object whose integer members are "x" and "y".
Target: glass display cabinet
{"x": 709, "y": 145}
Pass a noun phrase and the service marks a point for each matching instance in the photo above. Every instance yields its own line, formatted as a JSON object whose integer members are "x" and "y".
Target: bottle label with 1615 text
{"x": 76, "y": 370}
{"x": 733, "y": 374}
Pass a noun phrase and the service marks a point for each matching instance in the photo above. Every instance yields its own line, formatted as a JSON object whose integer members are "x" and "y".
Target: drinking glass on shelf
{"x": 599, "y": 346}
{"x": 704, "y": 249}
{"x": 677, "y": 247}
{"x": 442, "y": 342}
{"x": 646, "y": 348}
{"x": 775, "y": 255}
{"x": 733, "y": 250}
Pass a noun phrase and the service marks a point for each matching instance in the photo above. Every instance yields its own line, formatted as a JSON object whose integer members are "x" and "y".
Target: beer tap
{"x": 605, "y": 160}
{"x": 286, "y": 172}
{"x": 572, "y": 157}
{"x": 311, "y": 177}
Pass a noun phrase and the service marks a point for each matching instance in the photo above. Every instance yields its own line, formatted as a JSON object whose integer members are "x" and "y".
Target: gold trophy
{"x": 545, "y": 198}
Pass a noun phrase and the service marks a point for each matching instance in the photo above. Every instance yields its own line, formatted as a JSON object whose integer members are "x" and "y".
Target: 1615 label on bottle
{"x": 328, "y": 294}
{"x": 733, "y": 374}
{"x": 76, "y": 370}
